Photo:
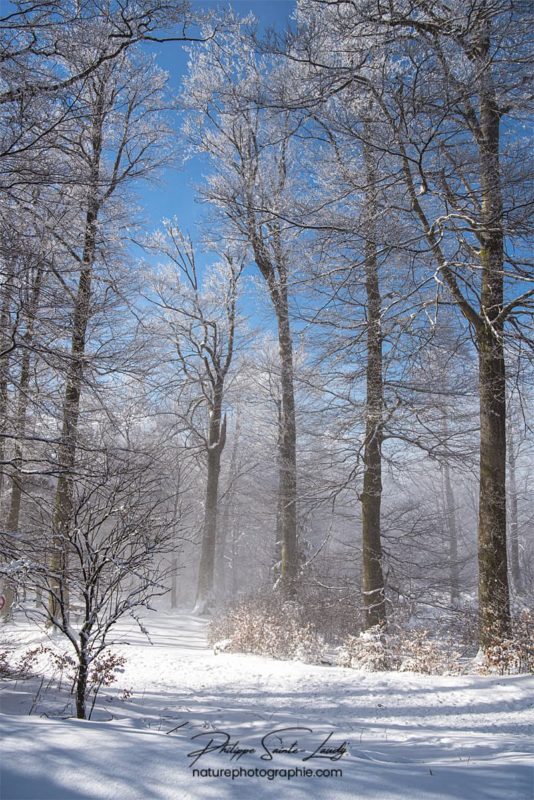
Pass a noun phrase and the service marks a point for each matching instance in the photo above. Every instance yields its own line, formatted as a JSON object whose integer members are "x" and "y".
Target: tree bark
{"x": 452, "y": 537}
{"x": 8, "y": 588}
{"x": 22, "y": 405}
{"x": 229, "y": 499}
{"x": 216, "y": 442}
{"x": 5, "y": 337}
{"x": 62, "y": 514}
{"x": 515, "y": 567}
{"x": 277, "y": 558}
{"x": 488, "y": 327}
{"x": 81, "y": 686}
{"x": 494, "y": 603}
{"x": 288, "y": 451}
{"x": 273, "y": 267}
{"x": 371, "y": 496}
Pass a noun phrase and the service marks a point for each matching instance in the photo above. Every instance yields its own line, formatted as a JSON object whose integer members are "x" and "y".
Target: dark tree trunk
{"x": 8, "y": 588}
{"x": 488, "y": 326}
{"x": 371, "y": 496}
{"x": 494, "y": 603}
{"x": 69, "y": 440}
{"x": 452, "y": 537}
{"x": 235, "y": 558}
{"x": 174, "y": 583}
{"x": 229, "y": 499}
{"x": 288, "y": 456}
{"x": 81, "y": 686}
{"x": 22, "y": 405}
{"x": 5, "y": 345}
{"x": 272, "y": 265}
{"x": 62, "y": 513}
{"x": 277, "y": 557}
{"x": 515, "y": 567}
{"x": 216, "y": 442}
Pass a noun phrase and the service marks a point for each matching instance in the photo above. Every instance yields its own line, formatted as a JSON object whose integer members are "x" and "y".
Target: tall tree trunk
{"x": 488, "y": 327}
{"x": 62, "y": 513}
{"x": 221, "y": 567}
{"x": 288, "y": 455}
{"x": 515, "y": 568}
{"x": 452, "y": 536}
{"x": 494, "y": 603}
{"x": 174, "y": 560}
{"x": 371, "y": 496}
{"x": 216, "y": 442}
{"x": 8, "y": 588}
{"x": 222, "y": 541}
{"x": 5, "y": 343}
{"x": 234, "y": 553}
{"x": 272, "y": 265}
{"x": 174, "y": 582}
{"x": 277, "y": 558}
{"x": 22, "y": 404}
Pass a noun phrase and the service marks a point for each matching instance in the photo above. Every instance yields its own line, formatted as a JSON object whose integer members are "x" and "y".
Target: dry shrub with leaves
{"x": 269, "y": 626}
{"x": 411, "y": 650}
{"x": 516, "y": 654}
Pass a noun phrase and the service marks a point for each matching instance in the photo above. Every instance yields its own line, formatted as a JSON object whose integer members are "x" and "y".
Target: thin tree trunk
{"x": 221, "y": 567}
{"x": 488, "y": 327}
{"x": 81, "y": 686}
{"x": 5, "y": 337}
{"x": 22, "y": 405}
{"x": 174, "y": 582}
{"x": 220, "y": 572}
{"x": 371, "y": 497}
{"x": 274, "y": 271}
{"x": 8, "y": 588}
{"x": 277, "y": 560}
{"x": 216, "y": 442}
{"x": 288, "y": 455}
{"x": 514, "y": 515}
{"x": 235, "y": 557}
{"x": 452, "y": 536}
{"x": 62, "y": 514}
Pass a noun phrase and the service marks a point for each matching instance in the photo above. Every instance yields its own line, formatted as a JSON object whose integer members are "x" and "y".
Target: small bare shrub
{"x": 267, "y": 626}
{"x": 407, "y": 650}
{"x": 418, "y": 652}
{"x": 369, "y": 651}
{"x": 516, "y": 654}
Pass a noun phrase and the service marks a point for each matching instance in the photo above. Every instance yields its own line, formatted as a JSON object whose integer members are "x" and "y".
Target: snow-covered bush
{"x": 411, "y": 650}
{"x": 334, "y": 615}
{"x": 418, "y": 652}
{"x": 268, "y": 626}
{"x": 369, "y": 651}
{"x": 516, "y": 654}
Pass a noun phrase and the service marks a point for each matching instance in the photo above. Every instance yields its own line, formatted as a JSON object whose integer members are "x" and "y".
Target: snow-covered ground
{"x": 394, "y": 736}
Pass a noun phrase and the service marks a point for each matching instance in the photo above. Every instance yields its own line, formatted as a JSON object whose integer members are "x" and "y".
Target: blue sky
{"x": 174, "y": 193}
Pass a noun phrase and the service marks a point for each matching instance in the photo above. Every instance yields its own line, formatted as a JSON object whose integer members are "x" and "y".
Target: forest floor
{"x": 386, "y": 736}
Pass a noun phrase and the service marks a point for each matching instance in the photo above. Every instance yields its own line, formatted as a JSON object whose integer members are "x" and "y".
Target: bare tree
{"x": 200, "y": 319}
{"x": 117, "y": 103}
{"x": 122, "y": 531}
{"x": 253, "y": 157}
{"x": 445, "y": 130}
